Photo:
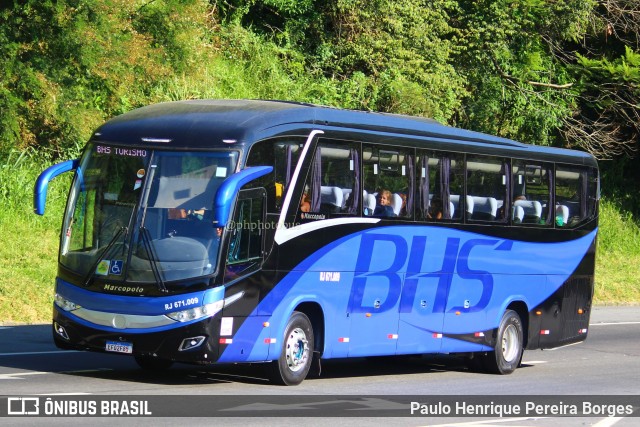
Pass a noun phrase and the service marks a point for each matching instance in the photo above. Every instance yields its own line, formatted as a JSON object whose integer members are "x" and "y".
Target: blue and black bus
{"x": 216, "y": 231}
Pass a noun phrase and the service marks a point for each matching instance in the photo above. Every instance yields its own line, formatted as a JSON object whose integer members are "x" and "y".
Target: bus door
{"x": 244, "y": 242}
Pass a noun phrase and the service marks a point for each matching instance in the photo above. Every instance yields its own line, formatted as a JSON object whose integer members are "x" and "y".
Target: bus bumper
{"x": 195, "y": 343}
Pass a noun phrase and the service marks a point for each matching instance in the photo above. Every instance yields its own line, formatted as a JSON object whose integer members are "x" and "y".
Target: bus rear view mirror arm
{"x": 42, "y": 183}
{"x": 229, "y": 189}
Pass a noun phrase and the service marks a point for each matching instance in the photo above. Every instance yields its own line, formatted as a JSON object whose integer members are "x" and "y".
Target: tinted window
{"x": 283, "y": 155}
{"x": 389, "y": 180}
{"x": 575, "y": 195}
{"x": 530, "y": 192}
{"x": 486, "y": 188}
{"x": 332, "y": 185}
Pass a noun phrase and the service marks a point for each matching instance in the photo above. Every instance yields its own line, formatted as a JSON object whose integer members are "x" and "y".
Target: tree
{"x": 606, "y": 121}
{"x": 69, "y": 65}
{"x": 383, "y": 55}
{"x": 519, "y": 84}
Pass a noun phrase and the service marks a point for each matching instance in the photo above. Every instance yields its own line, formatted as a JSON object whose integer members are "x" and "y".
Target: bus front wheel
{"x": 509, "y": 345}
{"x": 296, "y": 354}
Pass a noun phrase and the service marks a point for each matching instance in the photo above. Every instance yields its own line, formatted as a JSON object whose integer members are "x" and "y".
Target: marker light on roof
{"x": 157, "y": 140}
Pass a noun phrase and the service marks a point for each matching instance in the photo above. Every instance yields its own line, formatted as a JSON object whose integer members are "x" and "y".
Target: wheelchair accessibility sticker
{"x": 116, "y": 267}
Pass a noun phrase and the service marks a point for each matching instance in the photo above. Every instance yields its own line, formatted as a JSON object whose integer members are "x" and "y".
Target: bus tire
{"x": 296, "y": 355}
{"x": 508, "y": 350}
{"x": 150, "y": 363}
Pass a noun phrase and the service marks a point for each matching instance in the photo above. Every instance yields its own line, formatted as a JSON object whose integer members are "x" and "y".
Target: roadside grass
{"x": 29, "y": 245}
{"x": 617, "y": 279}
{"x": 618, "y": 257}
{"x": 27, "y": 272}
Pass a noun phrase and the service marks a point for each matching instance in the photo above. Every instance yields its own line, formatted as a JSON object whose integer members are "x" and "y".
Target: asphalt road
{"x": 607, "y": 363}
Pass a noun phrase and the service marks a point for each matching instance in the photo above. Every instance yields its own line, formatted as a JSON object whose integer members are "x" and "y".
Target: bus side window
{"x": 487, "y": 188}
{"x": 389, "y": 170}
{"x": 573, "y": 186}
{"x": 283, "y": 155}
{"x": 332, "y": 186}
{"x": 440, "y": 185}
{"x": 245, "y": 249}
{"x": 530, "y": 193}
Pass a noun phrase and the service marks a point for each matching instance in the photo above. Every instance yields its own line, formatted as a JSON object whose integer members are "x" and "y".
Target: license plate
{"x": 119, "y": 347}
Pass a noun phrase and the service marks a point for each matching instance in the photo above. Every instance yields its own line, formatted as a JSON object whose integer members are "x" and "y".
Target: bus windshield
{"x": 141, "y": 215}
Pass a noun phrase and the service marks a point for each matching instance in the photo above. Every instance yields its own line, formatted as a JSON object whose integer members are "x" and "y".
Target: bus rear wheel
{"x": 509, "y": 346}
{"x": 296, "y": 354}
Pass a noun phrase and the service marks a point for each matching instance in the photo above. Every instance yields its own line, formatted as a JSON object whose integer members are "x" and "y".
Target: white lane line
{"x": 28, "y": 353}
{"x": 608, "y": 422}
{"x": 534, "y": 362}
{"x": 18, "y": 375}
{"x": 563, "y": 346}
{"x": 614, "y": 323}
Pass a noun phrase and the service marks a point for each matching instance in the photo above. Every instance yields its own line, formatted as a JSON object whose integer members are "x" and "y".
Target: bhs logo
{"x": 456, "y": 259}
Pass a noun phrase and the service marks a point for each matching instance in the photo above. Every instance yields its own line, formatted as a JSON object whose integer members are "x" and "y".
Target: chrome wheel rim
{"x": 297, "y": 350}
{"x": 510, "y": 344}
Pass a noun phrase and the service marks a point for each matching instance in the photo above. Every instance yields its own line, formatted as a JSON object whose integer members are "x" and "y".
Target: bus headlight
{"x": 206, "y": 310}
{"x": 64, "y": 303}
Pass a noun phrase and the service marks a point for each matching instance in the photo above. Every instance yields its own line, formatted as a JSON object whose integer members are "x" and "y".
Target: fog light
{"x": 190, "y": 343}
{"x": 60, "y": 331}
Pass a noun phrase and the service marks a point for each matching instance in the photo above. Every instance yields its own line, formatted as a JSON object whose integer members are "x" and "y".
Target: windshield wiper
{"x": 153, "y": 259}
{"x": 89, "y": 277}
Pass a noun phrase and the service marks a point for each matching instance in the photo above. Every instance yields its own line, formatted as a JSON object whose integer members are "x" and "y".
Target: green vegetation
{"x": 28, "y": 253}
{"x": 563, "y": 73}
{"x": 618, "y": 257}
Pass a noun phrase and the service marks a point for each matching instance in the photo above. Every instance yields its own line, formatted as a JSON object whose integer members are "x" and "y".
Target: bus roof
{"x": 200, "y": 124}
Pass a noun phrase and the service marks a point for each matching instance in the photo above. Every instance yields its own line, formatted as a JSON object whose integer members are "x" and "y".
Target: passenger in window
{"x": 176, "y": 213}
{"x": 383, "y": 204}
{"x": 403, "y": 208}
{"x": 435, "y": 209}
{"x": 305, "y": 203}
{"x": 196, "y": 214}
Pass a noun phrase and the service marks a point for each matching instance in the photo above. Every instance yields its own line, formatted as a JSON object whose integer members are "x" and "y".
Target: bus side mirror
{"x": 42, "y": 183}
{"x": 225, "y": 196}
